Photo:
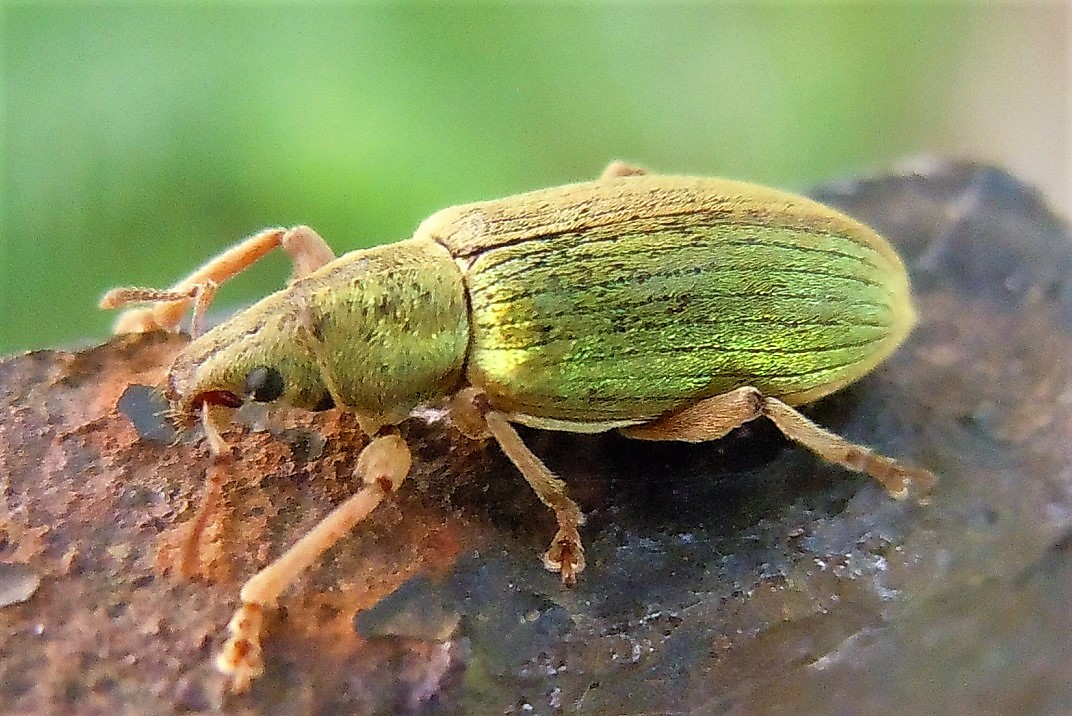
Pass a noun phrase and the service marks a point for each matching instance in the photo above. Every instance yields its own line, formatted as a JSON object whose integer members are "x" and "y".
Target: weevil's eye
{"x": 264, "y": 384}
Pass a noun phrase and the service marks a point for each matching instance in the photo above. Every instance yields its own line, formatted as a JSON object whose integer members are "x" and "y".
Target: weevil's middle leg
{"x": 712, "y": 418}
{"x": 383, "y": 465}
{"x": 566, "y": 554}
{"x": 307, "y": 252}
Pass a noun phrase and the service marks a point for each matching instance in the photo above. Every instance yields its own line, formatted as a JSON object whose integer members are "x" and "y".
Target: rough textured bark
{"x": 742, "y": 575}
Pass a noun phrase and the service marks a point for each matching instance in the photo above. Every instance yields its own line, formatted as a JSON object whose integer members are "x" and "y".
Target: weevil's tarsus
{"x": 566, "y": 553}
{"x": 307, "y": 252}
{"x": 383, "y": 466}
{"x": 714, "y": 417}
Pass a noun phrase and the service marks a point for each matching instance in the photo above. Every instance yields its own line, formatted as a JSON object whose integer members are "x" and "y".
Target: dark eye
{"x": 264, "y": 384}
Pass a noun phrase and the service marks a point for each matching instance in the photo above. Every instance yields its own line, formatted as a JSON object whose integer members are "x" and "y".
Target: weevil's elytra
{"x": 565, "y": 316}
{"x": 671, "y": 308}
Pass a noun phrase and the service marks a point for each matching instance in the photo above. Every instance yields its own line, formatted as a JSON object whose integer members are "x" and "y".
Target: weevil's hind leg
{"x": 383, "y": 465}
{"x": 899, "y": 479}
{"x": 566, "y": 554}
{"x": 618, "y": 169}
{"x": 712, "y": 418}
{"x": 304, "y": 246}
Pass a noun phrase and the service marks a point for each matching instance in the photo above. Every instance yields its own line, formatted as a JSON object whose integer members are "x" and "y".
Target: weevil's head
{"x": 253, "y": 357}
{"x": 387, "y": 328}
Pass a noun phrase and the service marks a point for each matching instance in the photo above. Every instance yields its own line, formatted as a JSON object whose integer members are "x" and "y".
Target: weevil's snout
{"x": 262, "y": 385}
{"x": 188, "y": 393}
{"x": 186, "y": 405}
{"x": 230, "y": 383}
{"x": 254, "y": 357}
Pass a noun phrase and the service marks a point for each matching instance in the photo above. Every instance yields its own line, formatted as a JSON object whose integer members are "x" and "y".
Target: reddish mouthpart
{"x": 215, "y": 397}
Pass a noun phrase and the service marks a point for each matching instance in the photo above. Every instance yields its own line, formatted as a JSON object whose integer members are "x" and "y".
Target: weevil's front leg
{"x": 383, "y": 465}
{"x": 307, "y": 252}
{"x": 714, "y": 417}
{"x": 474, "y": 417}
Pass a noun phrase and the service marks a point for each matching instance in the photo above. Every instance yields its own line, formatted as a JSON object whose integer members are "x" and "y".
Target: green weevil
{"x": 668, "y": 308}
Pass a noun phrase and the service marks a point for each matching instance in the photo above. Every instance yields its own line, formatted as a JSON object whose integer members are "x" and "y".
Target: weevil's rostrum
{"x": 671, "y": 308}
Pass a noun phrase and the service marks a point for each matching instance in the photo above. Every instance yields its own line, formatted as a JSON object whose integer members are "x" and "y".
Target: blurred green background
{"x": 138, "y": 141}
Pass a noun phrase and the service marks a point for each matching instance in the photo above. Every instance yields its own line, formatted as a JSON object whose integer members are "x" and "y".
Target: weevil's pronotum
{"x": 669, "y": 308}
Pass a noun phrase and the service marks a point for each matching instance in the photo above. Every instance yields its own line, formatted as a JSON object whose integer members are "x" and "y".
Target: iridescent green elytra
{"x": 631, "y": 297}
{"x": 671, "y": 308}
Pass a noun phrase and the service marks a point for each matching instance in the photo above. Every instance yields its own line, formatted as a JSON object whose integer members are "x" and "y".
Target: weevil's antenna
{"x": 201, "y": 294}
{"x": 145, "y": 318}
{"x": 304, "y": 246}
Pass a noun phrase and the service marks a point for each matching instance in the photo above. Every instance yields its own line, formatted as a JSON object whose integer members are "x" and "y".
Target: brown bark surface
{"x": 740, "y": 575}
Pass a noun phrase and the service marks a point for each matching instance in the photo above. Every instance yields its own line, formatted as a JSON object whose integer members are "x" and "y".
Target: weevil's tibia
{"x": 307, "y": 252}
{"x": 383, "y": 465}
{"x": 470, "y": 413}
{"x": 712, "y": 418}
